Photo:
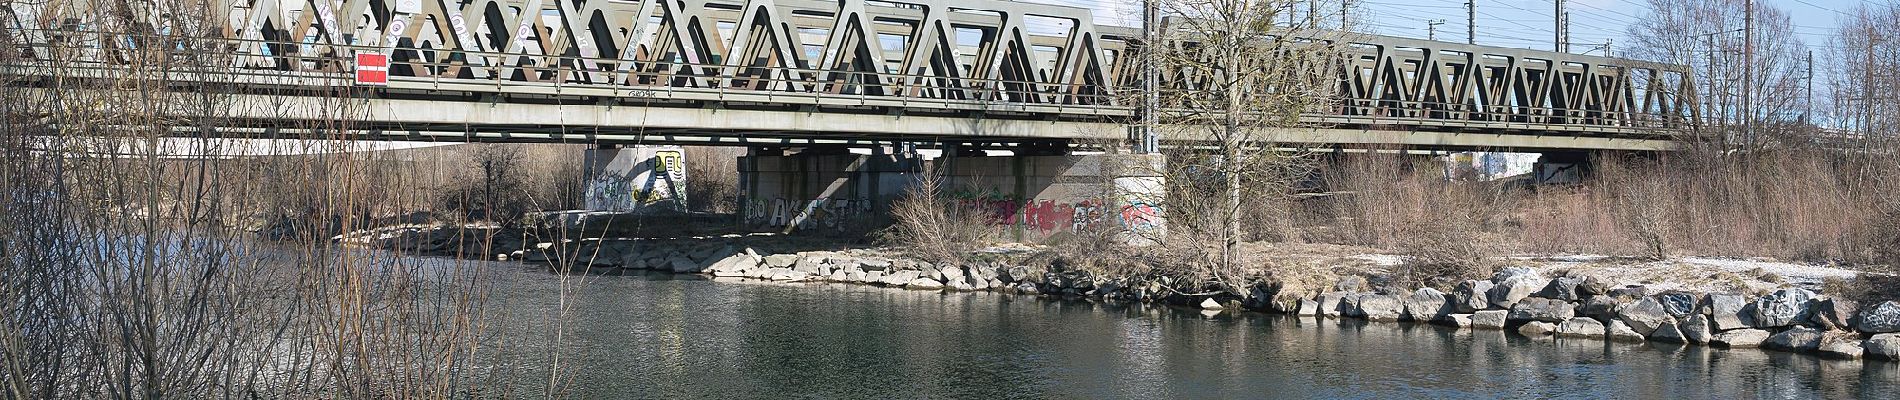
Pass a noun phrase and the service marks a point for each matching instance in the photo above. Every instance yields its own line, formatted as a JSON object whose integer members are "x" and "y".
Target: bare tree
{"x": 1744, "y": 84}
{"x": 1235, "y": 79}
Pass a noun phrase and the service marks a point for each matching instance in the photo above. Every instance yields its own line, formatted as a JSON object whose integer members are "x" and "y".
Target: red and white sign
{"x": 372, "y": 69}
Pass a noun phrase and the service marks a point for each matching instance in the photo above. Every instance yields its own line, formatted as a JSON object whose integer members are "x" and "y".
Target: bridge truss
{"x": 846, "y": 70}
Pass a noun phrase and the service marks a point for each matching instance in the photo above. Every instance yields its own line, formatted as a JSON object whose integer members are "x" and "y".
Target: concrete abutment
{"x": 1031, "y": 198}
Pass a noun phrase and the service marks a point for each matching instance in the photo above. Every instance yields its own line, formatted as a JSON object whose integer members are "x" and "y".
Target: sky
{"x": 1520, "y": 23}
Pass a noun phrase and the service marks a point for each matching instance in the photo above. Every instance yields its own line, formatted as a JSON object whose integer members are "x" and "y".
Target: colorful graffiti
{"x": 637, "y": 179}
{"x": 1048, "y": 216}
{"x": 666, "y": 181}
{"x": 1140, "y": 216}
{"x": 820, "y": 213}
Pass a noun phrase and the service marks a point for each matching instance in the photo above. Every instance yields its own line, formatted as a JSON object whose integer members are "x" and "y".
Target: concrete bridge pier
{"x": 1035, "y": 192}
{"x": 1041, "y": 194}
{"x": 635, "y": 178}
{"x": 822, "y": 189}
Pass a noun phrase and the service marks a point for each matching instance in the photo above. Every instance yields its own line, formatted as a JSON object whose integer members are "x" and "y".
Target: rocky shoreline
{"x": 1517, "y": 299}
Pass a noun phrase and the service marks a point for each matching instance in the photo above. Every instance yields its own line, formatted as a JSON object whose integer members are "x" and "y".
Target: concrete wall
{"x": 636, "y": 178}
{"x": 1042, "y": 198}
{"x": 821, "y": 193}
{"x": 1031, "y": 198}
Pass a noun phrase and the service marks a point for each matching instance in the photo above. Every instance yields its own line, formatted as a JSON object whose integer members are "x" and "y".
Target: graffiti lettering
{"x": 821, "y": 213}
{"x": 1048, "y": 216}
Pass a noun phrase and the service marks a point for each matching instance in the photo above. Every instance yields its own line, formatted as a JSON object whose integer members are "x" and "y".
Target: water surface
{"x": 666, "y": 336}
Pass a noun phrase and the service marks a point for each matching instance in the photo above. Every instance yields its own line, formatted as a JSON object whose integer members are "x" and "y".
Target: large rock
{"x": 1509, "y": 291}
{"x": 1026, "y": 287}
{"x": 1593, "y": 286}
{"x": 1458, "y": 320}
{"x": 1308, "y": 307}
{"x": 1740, "y": 338}
{"x": 1834, "y": 314}
{"x": 1885, "y": 345}
{"x": 1537, "y": 329}
{"x": 1380, "y": 307}
{"x": 1602, "y": 308}
{"x": 1580, "y": 327}
{"x": 950, "y": 273}
{"x": 1695, "y": 329}
{"x": 901, "y": 278}
{"x": 1349, "y": 305}
{"x": 1799, "y": 338}
{"x": 924, "y": 284}
{"x": 1784, "y": 307}
{"x": 1617, "y": 330}
{"x": 1542, "y": 309}
{"x": 1883, "y": 318}
{"x": 1668, "y": 332}
{"x": 1471, "y": 296}
{"x": 1489, "y": 319}
{"x": 1563, "y": 288}
{"x": 1840, "y": 345}
{"x": 1329, "y": 303}
{"x": 1645, "y": 316}
{"x": 1013, "y": 274}
{"x": 781, "y": 260}
{"x": 1728, "y": 311}
{"x": 1427, "y": 304}
{"x": 1210, "y": 304}
{"x": 1678, "y": 304}
{"x": 733, "y": 266}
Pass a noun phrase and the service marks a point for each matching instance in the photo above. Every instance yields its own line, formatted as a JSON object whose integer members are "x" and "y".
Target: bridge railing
{"x": 296, "y": 63}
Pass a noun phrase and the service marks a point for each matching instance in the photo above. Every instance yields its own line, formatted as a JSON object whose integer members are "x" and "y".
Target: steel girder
{"x": 958, "y": 55}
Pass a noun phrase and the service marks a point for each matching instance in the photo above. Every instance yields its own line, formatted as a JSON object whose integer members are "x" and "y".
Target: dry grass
{"x": 1791, "y": 205}
{"x": 932, "y": 226}
{"x": 1443, "y": 228}
{"x": 713, "y": 175}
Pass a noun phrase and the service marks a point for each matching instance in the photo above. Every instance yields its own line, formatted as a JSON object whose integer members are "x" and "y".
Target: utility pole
{"x": 1748, "y": 70}
{"x": 1560, "y": 37}
{"x": 1344, "y": 6}
{"x": 1150, "y": 141}
{"x": 1431, "y": 28}
{"x": 1471, "y": 21}
{"x": 1807, "y": 106}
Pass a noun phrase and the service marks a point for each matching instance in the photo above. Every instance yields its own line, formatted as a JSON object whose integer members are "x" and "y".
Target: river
{"x": 666, "y": 336}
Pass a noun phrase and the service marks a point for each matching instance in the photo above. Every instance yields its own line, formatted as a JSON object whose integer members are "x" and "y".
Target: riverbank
{"x": 1697, "y": 301}
{"x": 1724, "y": 303}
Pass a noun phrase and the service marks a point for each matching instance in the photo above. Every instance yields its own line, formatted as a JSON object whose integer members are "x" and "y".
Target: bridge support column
{"x": 1034, "y": 198}
{"x": 635, "y": 178}
{"x": 821, "y": 190}
{"x": 1042, "y": 198}
{"x": 1563, "y": 167}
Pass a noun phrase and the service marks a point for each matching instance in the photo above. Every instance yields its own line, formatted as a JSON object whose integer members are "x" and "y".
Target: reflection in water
{"x": 662, "y": 336}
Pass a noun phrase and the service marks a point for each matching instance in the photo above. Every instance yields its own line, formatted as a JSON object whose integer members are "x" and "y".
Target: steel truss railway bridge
{"x": 801, "y": 74}
{"x": 847, "y": 71}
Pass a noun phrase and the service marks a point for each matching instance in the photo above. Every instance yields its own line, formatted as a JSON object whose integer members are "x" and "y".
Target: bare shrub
{"x": 713, "y": 173}
{"x": 932, "y": 225}
{"x": 1442, "y": 227}
{"x": 494, "y": 188}
{"x": 1640, "y": 204}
